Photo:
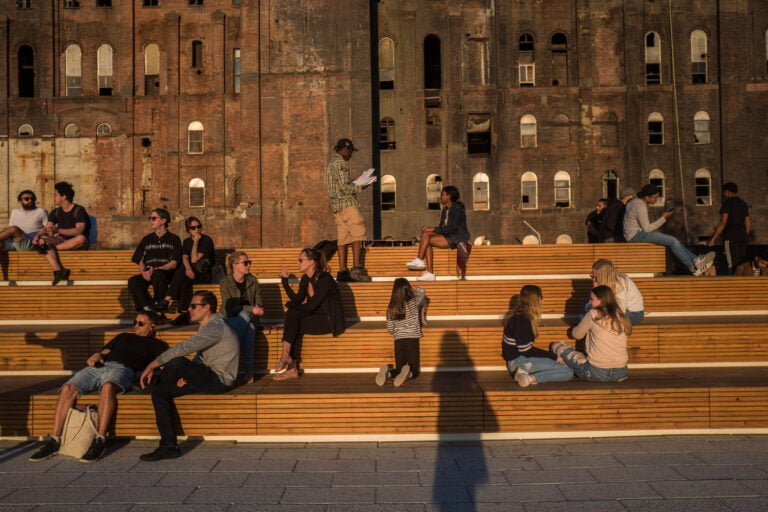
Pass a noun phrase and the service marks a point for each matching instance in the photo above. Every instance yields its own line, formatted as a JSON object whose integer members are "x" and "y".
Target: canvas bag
{"x": 79, "y": 431}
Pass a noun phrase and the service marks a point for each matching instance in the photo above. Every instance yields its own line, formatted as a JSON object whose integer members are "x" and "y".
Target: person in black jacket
{"x": 315, "y": 309}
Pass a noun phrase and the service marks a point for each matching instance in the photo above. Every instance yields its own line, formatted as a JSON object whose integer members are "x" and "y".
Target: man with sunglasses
{"x": 212, "y": 371}
{"x": 157, "y": 255}
{"x": 111, "y": 371}
{"x": 25, "y": 222}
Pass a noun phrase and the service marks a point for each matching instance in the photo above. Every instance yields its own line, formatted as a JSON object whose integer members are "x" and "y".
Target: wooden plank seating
{"x": 109, "y": 264}
{"x": 667, "y": 294}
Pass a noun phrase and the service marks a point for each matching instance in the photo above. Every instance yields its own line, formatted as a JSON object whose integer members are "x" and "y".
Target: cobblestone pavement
{"x": 664, "y": 473}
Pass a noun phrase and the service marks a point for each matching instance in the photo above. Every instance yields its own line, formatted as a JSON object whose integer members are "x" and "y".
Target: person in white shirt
{"x": 637, "y": 228}
{"x": 628, "y": 296}
{"x": 24, "y": 223}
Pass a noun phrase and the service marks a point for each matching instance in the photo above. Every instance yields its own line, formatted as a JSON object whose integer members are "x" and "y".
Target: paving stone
{"x": 675, "y": 505}
{"x": 301, "y": 453}
{"x": 523, "y": 450}
{"x": 379, "y": 452}
{"x": 417, "y": 494}
{"x": 550, "y": 476}
{"x": 637, "y": 474}
{"x": 734, "y": 458}
{"x": 376, "y": 507}
{"x": 474, "y": 507}
{"x": 112, "y": 479}
{"x": 454, "y": 452}
{"x": 657, "y": 459}
{"x": 604, "y": 448}
{"x": 36, "y": 480}
{"x": 144, "y": 494}
{"x": 207, "y": 479}
{"x": 575, "y": 506}
{"x": 377, "y": 479}
{"x": 255, "y": 495}
{"x": 759, "y": 486}
{"x": 515, "y": 493}
{"x": 183, "y": 507}
{"x": 525, "y": 463}
{"x": 255, "y": 465}
{"x": 306, "y": 479}
{"x": 182, "y": 464}
{"x": 702, "y": 489}
{"x": 61, "y": 495}
{"x": 759, "y": 504}
{"x": 311, "y": 495}
{"x": 268, "y": 507}
{"x": 414, "y": 464}
{"x": 576, "y": 461}
{"x": 720, "y": 472}
{"x": 88, "y": 507}
{"x": 607, "y": 491}
{"x": 461, "y": 477}
{"x": 360, "y": 465}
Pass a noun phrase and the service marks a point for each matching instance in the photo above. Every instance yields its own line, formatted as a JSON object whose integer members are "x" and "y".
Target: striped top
{"x": 410, "y": 326}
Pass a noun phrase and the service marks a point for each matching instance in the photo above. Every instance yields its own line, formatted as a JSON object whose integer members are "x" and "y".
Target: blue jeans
{"x": 678, "y": 249}
{"x": 543, "y": 368}
{"x": 635, "y": 317}
{"x": 244, "y": 325}
{"x": 586, "y": 371}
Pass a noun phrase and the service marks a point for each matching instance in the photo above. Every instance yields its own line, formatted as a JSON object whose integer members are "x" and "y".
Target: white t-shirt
{"x": 29, "y": 221}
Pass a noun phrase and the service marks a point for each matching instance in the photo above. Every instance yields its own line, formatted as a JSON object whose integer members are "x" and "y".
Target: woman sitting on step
{"x": 628, "y": 297}
{"x": 606, "y": 329}
{"x": 528, "y": 364}
{"x": 315, "y": 309}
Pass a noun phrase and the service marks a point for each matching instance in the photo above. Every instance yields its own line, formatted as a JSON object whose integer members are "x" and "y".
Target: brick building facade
{"x": 227, "y": 109}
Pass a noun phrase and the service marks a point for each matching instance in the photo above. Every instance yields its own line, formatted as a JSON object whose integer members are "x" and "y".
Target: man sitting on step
{"x": 111, "y": 370}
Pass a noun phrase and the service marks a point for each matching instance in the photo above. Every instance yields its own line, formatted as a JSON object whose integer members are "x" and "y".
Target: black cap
{"x": 344, "y": 143}
{"x": 648, "y": 190}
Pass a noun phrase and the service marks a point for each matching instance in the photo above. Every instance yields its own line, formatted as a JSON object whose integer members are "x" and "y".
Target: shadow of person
{"x": 460, "y": 462}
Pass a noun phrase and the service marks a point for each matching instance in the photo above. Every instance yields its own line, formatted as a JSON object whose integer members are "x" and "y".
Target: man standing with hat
{"x": 637, "y": 228}
{"x": 346, "y": 210}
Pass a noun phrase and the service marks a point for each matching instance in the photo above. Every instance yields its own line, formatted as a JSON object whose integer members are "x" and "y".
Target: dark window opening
{"x": 195, "y": 2}
{"x": 432, "y": 65}
{"x": 26, "y": 72}
{"x": 559, "y": 43}
{"x": 652, "y": 74}
{"x": 655, "y": 132}
{"x": 479, "y": 134}
{"x": 150, "y": 3}
{"x": 71, "y": 4}
{"x": 103, "y": 3}
{"x": 699, "y": 72}
{"x": 387, "y": 133}
{"x": 197, "y": 54}
{"x": 151, "y": 85}
{"x": 525, "y": 43}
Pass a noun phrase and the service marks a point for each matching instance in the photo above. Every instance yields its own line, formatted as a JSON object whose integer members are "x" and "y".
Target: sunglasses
{"x": 139, "y": 323}
{"x": 196, "y": 226}
{"x": 246, "y": 262}
{"x": 153, "y": 217}
{"x": 195, "y": 306}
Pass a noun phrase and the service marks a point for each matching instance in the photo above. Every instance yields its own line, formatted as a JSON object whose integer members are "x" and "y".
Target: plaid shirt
{"x": 342, "y": 191}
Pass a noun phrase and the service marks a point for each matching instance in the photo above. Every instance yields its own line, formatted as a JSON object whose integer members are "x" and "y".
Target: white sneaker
{"x": 405, "y": 374}
{"x": 522, "y": 378}
{"x": 703, "y": 262}
{"x": 381, "y": 377}
{"x": 426, "y": 276}
{"x": 416, "y": 264}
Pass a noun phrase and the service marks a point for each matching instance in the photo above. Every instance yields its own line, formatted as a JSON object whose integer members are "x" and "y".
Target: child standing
{"x": 404, "y": 322}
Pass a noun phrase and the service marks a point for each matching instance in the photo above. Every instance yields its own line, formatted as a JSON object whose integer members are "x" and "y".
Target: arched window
{"x": 530, "y": 240}
{"x": 703, "y": 187}
{"x": 480, "y": 192}
{"x": 562, "y": 189}
{"x": 388, "y": 192}
{"x": 610, "y": 184}
{"x": 564, "y": 239}
{"x": 652, "y": 58}
{"x": 526, "y": 64}
{"x": 655, "y": 129}
{"x": 71, "y": 130}
{"x": 104, "y": 130}
{"x": 529, "y": 185}
{"x": 528, "y": 131}
{"x": 386, "y": 63}
{"x": 151, "y": 70}
{"x": 698, "y": 57}
{"x": 559, "y": 48}
{"x": 656, "y": 177}
{"x": 196, "y": 193}
{"x": 479, "y": 134}
{"x": 432, "y": 71}
{"x": 387, "y": 139}
{"x": 561, "y": 130}
{"x": 609, "y": 130}
{"x": 26, "y": 130}
{"x": 434, "y": 185}
{"x": 74, "y": 79}
{"x": 195, "y": 138}
{"x": 26, "y": 71}
{"x": 197, "y": 54}
{"x": 701, "y": 127}
{"x": 104, "y": 57}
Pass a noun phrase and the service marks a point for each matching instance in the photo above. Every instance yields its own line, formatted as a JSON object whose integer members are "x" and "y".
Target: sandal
{"x": 281, "y": 367}
{"x": 291, "y": 373}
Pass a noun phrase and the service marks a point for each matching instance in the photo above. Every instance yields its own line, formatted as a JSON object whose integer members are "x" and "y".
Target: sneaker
{"x": 523, "y": 379}
{"x": 405, "y": 374}
{"x": 60, "y": 275}
{"x": 426, "y": 276}
{"x": 360, "y": 275}
{"x": 161, "y": 306}
{"x": 182, "y": 319}
{"x": 49, "y": 449}
{"x": 96, "y": 451}
{"x": 416, "y": 264}
{"x": 381, "y": 377}
{"x": 162, "y": 452}
{"x": 702, "y": 264}
{"x": 343, "y": 276}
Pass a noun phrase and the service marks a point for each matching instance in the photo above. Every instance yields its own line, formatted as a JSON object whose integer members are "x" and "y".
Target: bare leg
{"x": 286, "y": 355}
{"x": 356, "y": 248}
{"x": 11, "y": 232}
{"x": 107, "y": 406}
{"x": 67, "y": 398}
{"x": 429, "y": 256}
{"x": 53, "y": 258}
{"x": 343, "y": 257}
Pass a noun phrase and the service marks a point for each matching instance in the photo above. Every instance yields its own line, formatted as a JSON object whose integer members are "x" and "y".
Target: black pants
{"x": 180, "y": 288}
{"x": 407, "y": 352}
{"x": 200, "y": 379}
{"x": 735, "y": 250}
{"x": 139, "y": 287}
{"x": 298, "y": 323}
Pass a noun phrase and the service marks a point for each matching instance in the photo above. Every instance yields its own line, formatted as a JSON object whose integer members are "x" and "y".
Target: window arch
{"x": 701, "y": 127}
{"x": 562, "y": 189}
{"x": 609, "y": 130}
{"x": 74, "y": 79}
{"x": 386, "y": 63}
{"x": 526, "y": 63}
{"x": 434, "y": 185}
{"x": 652, "y": 58}
{"x": 195, "y": 138}
{"x": 698, "y": 57}
{"x": 104, "y": 130}
{"x": 656, "y": 177}
{"x": 151, "y": 70}
{"x": 387, "y": 133}
{"x": 561, "y": 130}
{"x": 655, "y": 129}
{"x": 564, "y": 239}
{"x": 388, "y": 192}
{"x": 703, "y": 181}
{"x": 529, "y": 185}
{"x": 528, "y": 131}
{"x": 26, "y": 64}
{"x": 611, "y": 184}
{"x": 71, "y": 130}
{"x": 26, "y": 130}
{"x": 530, "y": 240}
{"x": 196, "y": 193}
{"x": 480, "y": 192}
{"x": 104, "y": 55}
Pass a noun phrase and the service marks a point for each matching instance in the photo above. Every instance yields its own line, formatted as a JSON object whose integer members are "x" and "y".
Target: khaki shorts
{"x": 350, "y": 225}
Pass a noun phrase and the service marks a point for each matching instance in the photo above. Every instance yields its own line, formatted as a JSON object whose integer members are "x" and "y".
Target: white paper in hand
{"x": 366, "y": 178}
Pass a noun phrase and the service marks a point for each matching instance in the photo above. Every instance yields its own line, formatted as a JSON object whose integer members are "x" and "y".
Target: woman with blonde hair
{"x": 628, "y": 297}
{"x": 606, "y": 329}
{"x": 528, "y": 364}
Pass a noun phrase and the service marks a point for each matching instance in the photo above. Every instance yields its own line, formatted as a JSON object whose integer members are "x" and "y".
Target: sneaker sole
{"x": 414, "y": 267}
{"x": 405, "y": 372}
{"x": 704, "y": 268}
{"x": 381, "y": 377}
{"x": 42, "y": 459}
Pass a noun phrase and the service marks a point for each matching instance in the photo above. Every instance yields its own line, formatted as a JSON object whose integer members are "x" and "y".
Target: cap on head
{"x": 628, "y": 191}
{"x": 344, "y": 143}
{"x": 648, "y": 190}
